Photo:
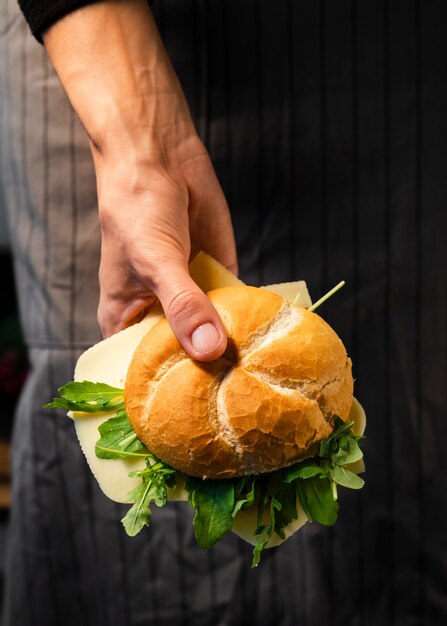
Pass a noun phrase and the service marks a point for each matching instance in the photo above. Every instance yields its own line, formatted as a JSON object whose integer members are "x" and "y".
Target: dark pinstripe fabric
{"x": 327, "y": 124}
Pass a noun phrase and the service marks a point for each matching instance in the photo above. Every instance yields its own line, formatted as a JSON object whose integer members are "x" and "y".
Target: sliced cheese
{"x": 358, "y": 416}
{"x": 111, "y": 357}
{"x": 295, "y": 292}
{"x": 107, "y": 362}
{"x": 210, "y": 274}
{"x": 112, "y": 474}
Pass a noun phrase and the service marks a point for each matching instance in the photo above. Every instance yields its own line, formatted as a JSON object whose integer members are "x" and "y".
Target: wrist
{"x": 157, "y": 128}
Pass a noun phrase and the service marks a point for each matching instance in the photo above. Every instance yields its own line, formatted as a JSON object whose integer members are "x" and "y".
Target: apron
{"x": 327, "y": 126}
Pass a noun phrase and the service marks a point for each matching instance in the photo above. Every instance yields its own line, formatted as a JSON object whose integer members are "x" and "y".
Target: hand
{"x": 153, "y": 219}
{"x": 159, "y": 198}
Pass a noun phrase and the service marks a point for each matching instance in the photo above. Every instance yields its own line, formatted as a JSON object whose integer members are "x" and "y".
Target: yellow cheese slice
{"x": 108, "y": 362}
{"x": 210, "y": 274}
{"x": 295, "y": 292}
{"x": 358, "y": 416}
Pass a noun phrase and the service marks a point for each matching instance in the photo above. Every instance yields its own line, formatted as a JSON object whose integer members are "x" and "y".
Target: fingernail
{"x": 205, "y": 338}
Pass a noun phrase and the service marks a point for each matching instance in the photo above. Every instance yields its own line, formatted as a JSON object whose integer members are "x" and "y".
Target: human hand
{"x": 153, "y": 218}
{"x": 159, "y": 198}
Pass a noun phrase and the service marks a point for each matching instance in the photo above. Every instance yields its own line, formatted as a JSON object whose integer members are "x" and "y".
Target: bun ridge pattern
{"x": 265, "y": 404}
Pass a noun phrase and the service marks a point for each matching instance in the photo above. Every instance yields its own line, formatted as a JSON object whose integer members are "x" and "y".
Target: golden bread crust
{"x": 265, "y": 404}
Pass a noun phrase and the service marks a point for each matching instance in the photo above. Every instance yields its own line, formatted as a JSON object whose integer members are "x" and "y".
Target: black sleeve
{"x": 40, "y": 14}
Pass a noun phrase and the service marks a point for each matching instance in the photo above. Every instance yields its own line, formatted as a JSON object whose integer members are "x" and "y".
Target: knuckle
{"x": 183, "y": 305}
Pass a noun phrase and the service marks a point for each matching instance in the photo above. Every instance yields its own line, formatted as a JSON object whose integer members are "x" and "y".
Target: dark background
{"x": 327, "y": 123}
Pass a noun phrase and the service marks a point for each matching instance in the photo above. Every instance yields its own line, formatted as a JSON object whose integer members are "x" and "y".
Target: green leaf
{"x": 342, "y": 446}
{"x": 156, "y": 478}
{"x": 214, "y": 504}
{"x": 317, "y": 500}
{"x": 88, "y": 397}
{"x": 330, "y": 444}
{"x": 304, "y": 469}
{"x": 139, "y": 515}
{"x": 117, "y": 438}
{"x": 258, "y": 549}
{"x": 264, "y": 532}
{"x": 108, "y": 453}
{"x": 346, "y": 478}
{"x": 240, "y": 485}
{"x": 286, "y": 496}
{"x": 348, "y": 451}
{"x": 245, "y": 503}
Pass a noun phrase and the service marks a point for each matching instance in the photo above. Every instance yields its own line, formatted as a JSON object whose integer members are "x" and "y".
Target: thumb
{"x": 191, "y": 315}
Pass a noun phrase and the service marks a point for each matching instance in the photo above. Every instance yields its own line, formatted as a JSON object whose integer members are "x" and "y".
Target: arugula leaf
{"x": 346, "y": 478}
{"x": 117, "y": 437}
{"x": 342, "y": 447}
{"x": 317, "y": 500}
{"x": 264, "y": 532}
{"x": 257, "y": 551}
{"x": 316, "y": 480}
{"x": 244, "y": 503}
{"x": 313, "y": 481}
{"x": 240, "y": 484}
{"x": 304, "y": 469}
{"x": 139, "y": 515}
{"x": 156, "y": 478}
{"x": 213, "y": 501}
{"x": 88, "y": 397}
{"x": 348, "y": 451}
{"x": 286, "y": 496}
{"x": 330, "y": 444}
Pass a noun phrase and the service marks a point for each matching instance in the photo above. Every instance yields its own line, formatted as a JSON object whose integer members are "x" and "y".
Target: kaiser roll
{"x": 263, "y": 405}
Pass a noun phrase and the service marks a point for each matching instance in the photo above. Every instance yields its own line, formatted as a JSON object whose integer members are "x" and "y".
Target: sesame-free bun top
{"x": 263, "y": 405}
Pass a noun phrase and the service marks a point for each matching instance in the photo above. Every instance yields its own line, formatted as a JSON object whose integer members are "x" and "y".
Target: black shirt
{"x": 41, "y": 14}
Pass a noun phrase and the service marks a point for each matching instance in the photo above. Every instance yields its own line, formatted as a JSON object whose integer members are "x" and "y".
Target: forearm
{"x": 158, "y": 196}
{"x": 114, "y": 68}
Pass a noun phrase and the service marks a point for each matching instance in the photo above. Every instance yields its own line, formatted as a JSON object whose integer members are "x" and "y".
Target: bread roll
{"x": 265, "y": 404}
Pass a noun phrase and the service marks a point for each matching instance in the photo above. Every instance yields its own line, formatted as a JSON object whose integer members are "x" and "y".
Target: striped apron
{"x": 327, "y": 126}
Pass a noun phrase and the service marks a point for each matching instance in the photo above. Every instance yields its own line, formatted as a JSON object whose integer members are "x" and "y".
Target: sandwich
{"x": 257, "y": 441}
